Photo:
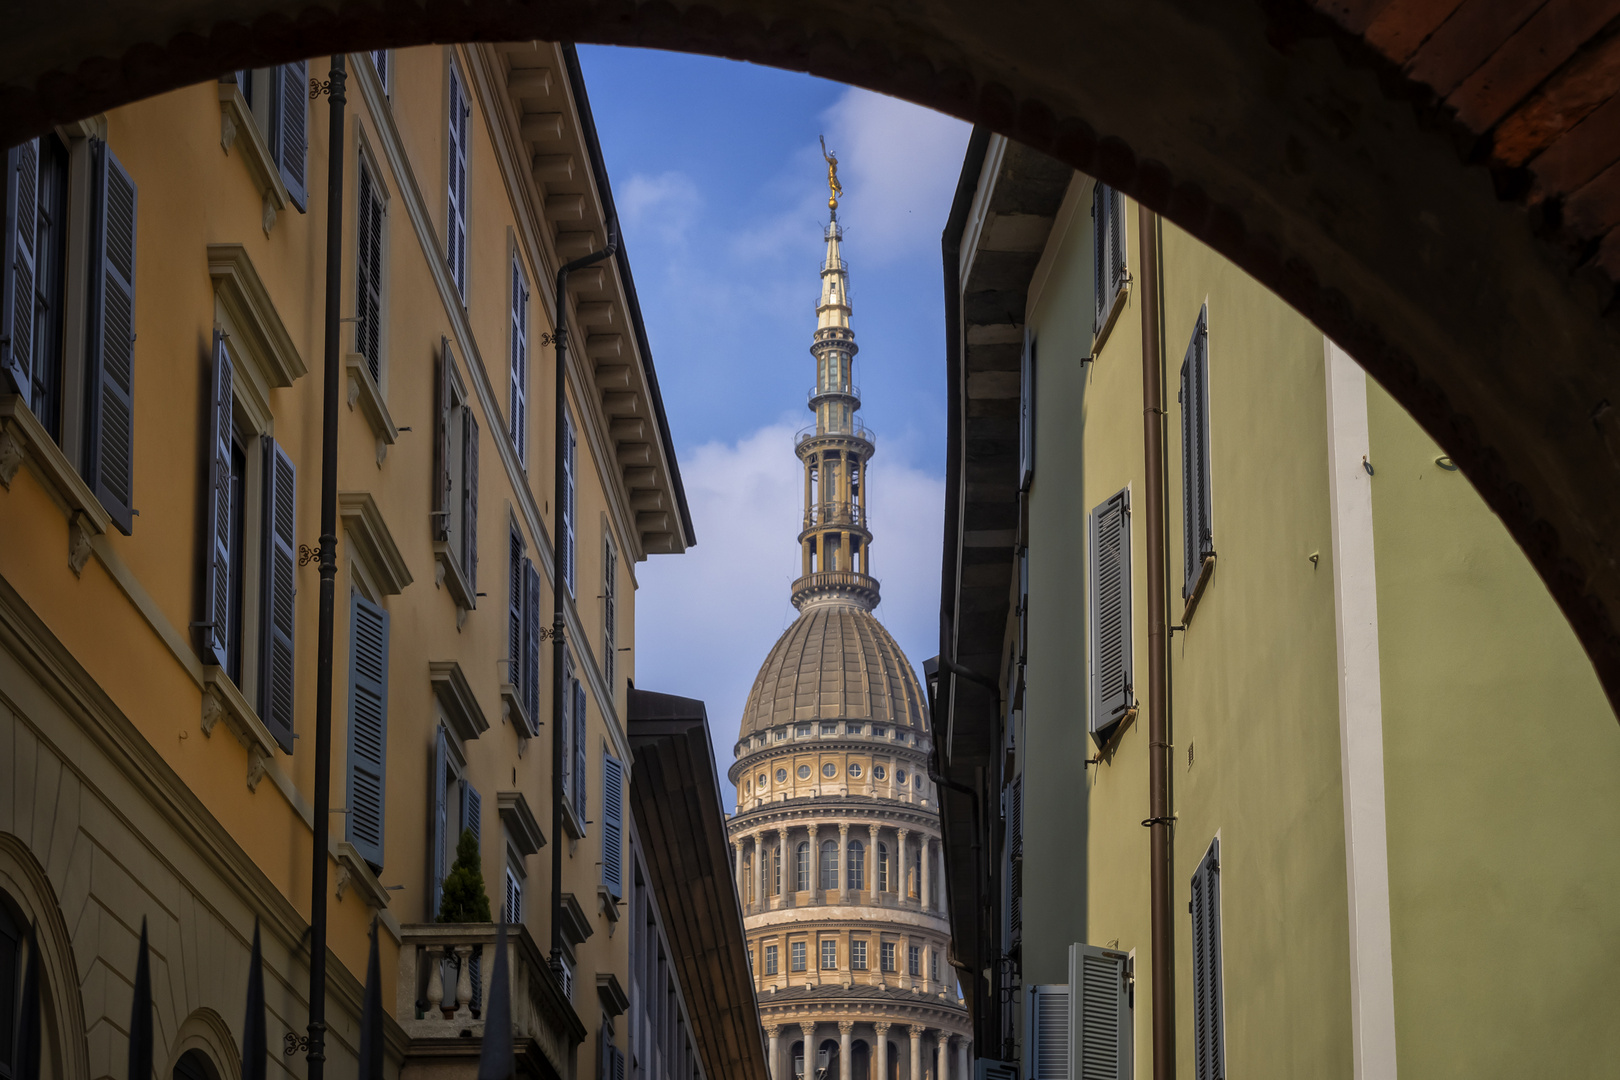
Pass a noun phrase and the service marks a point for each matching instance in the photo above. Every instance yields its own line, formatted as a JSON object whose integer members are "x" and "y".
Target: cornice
{"x": 782, "y": 751}
{"x": 875, "y": 918}
{"x": 822, "y": 807}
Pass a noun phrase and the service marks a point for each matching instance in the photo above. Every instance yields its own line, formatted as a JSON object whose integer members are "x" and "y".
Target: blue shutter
{"x": 472, "y": 812}
{"x": 110, "y": 375}
{"x": 579, "y": 752}
{"x": 1209, "y": 1028}
{"x": 1109, "y": 588}
{"x": 456, "y": 205}
{"x": 469, "y": 502}
{"x": 289, "y": 126}
{"x": 17, "y": 265}
{"x": 439, "y": 824}
{"x": 517, "y": 628}
{"x": 531, "y": 644}
{"x": 215, "y": 623}
{"x": 368, "y": 727}
{"x": 566, "y": 571}
{"x": 613, "y": 825}
{"x": 276, "y": 622}
{"x": 443, "y": 400}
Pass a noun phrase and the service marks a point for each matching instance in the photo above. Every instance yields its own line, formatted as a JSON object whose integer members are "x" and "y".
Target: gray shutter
{"x": 110, "y": 382}
{"x": 289, "y": 126}
{"x": 379, "y": 60}
{"x": 1196, "y": 507}
{"x": 17, "y": 272}
{"x": 276, "y": 622}
{"x": 531, "y": 643}
{"x": 579, "y": 752}
{"x": 1209, "y": 1028}
{"x": 472, "y": 812}
{"x": 517, "y": 628}
{"x": 443, "y": 399}
{"x": 569, "y": 462}
{"x": 456, "y": 218}
{"x": 217, "y": 539}
{"x": 469, "y": 503}
{"x": 613, "y": 825}
{"x": 1015, "y": 859}
{"x": 520, "y": 362}
{"x": 1116, "y": 246}
{"x": 1046, "y": 1032}
{"x": 1101, "y": 1028}
{"x": 1109, "y": 586}
{"x": 368, "y": 270}
{"x": 610, "y": 630}
{"x": 1099, "y": 257}
{"x": 438, "y": 824}
{"x": 565, "y": 727}
{"x": 368, "y": 727}
{"x": 1026, "y": 414}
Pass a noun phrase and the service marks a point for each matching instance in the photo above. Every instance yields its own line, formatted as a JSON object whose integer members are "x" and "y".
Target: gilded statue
{"x": 833, "y": 185}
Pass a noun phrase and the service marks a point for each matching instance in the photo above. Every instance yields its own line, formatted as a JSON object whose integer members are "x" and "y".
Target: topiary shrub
{"x": 465, "y": 900}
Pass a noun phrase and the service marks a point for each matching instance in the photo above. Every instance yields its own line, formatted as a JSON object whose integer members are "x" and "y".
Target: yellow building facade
{"x": 160, "y": 448}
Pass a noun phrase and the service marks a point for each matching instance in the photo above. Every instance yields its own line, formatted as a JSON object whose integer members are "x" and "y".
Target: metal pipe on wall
{"x": 1162, "y": 933}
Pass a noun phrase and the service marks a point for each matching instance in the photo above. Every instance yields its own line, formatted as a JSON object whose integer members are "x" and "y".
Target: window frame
{"x": 458, "y": 108}
{"x": 1110, "y": 244}
{"x": 827, "y": 948}
{"x": 517, "y": 399}
{"x": 798, "y": 956}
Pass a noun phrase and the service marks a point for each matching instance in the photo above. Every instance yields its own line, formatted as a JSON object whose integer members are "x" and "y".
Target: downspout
{"x": 1162, "y": 934}
{"x": 559, "y": 645}
{"x": 328, "y": 572}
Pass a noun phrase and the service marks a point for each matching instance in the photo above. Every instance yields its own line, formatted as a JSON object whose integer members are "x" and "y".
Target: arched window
{"x": 857, "y": 865}
{"x": 194, "y": 1065}
{"x": 775, "y": 886}
{"x": 829, "y": 864}
{"x": 804, "y": 866}
{"x": 883, "y": 867}
{"x": 748, "y": 879}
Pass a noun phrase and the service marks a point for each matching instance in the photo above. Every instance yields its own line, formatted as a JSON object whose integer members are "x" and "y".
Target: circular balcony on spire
{"x": 815, "y": 396}
{"x": 835, "y": 585}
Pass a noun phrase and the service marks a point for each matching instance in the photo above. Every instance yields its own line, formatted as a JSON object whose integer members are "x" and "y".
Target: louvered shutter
{"x": 613, "y": 825}
{"x": 579, "y": 752}
{"x": 443, "y": 402}
{"x": 1196, "y": 505}
{"x": 1100, "y": 1027}
{"x": 469, "y": 502}
{"x": 1046, "y": 1033}
{"x": 516, "y": 624}
{"x": 456, "y": 216}
{"x": 472, "y": 812}
{"x": 276, "y": 622}
{"x": 368, "y": 271}
{"x": 368, "y": 727}
{"x": 439, "y": 824}
{"x": 531, "y": 643}
{"x": 610, "y": 632}
{"x": 1109, "y": 585}
{"x": 1099, "y": 254}
{"x": 520, "y": 362}
{"x": 568, "y": 502}
{"x": 110, "y": 382}
{"x": 1209, "y": 1028}
{"x": 1015, "y": 860}
{"x": 379, "y": 60}
{"x": 1116, "y": 236}
{"x": 565, "y": 727}
{"x": 289, "y": 127}
{"x": 18, "y": 272}
{"x": 216, "y": 629}
{"x": 1026, "y": 414}
{"x": 512, "y": 908}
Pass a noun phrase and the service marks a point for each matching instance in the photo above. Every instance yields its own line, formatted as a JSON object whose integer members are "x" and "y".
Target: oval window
{"x": 804, "y": 772}
{"x": 781, "y": 775}
{"x": 854, "y": 769}
{"x": 877, "y": 772}
{"x": 900, "y": 775}
{"x": 762, "y": 779}
{"x": 829, "y": 770}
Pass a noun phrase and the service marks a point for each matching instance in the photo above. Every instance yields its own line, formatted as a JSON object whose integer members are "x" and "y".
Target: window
{"x": 1108, "y": 253}
{"x": 1026, "y": 413}
{"x": 802, "y": 731}
{"x": 750, "y": 959}
{"x": 1109, "y": 588}
{"x": 613, "y": 826}
{"x": 796, "y": 955}
{"x": 829, "y": 864}
{"x": 934, "y": 969}
{"x": 1198, "y": 545}
{"x": 579, "y": 754}
{"x": 770, "y": 959}
{"x": 804, "y": 772}
{"x": 110, "y": 361}
{"x": 518, "y": 399}
{"x": 857, "y": 865}
{"x": 1209, "y": 1028}
{"x": 456, "y": 205}
{"x": 1102, "y": 1015}
{"x": 775, "y": 888}
{"x": 882, "y": 867}
{"x": 879, "y": 732}
{"x": 289, "y": 126}
{"x": 829, "y": 729}
{"x": 914, "y": 960}
{"x": 899, "y": 776}
{"x": 512, "y": 909}
{"x": 610, "y": 614}
{"x": 379, "y": 61}
{"x": 857, "y": 954}
{"x": 829, "y": 770}
{"x": 523, "y": 632}
{"x": 829, "y": 954}
{"x": 455, "y": 487}
{"x": 886, "y": 955}
{"x": 878, "y": 772}
{"x": 457, "y": 807}
{"x": 570, "y": 476}
{"x": 369, "y": 265}
{"x": 33, "y": 278}
{"x": 368, "y": 727}
{"x": 781, "y": 776}
{"x": 855, "y": 769}
{"x": 852, "y": 729}
{"x": 748, "y": 879}
{"x": 803, "y": 867}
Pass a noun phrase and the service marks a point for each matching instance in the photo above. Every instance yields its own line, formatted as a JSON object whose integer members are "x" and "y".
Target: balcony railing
{"x": 815, "y": 392}
{"x": 834, "y": 582}
{"x": 838, "y": 513}
{"x": 856, "y": 431}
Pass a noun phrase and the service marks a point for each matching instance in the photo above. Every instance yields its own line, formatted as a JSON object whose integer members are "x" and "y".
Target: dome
{"x": 835, "y": 662}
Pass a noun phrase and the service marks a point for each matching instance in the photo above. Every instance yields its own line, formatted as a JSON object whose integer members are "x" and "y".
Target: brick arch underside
{"x": 1276, "y": 134}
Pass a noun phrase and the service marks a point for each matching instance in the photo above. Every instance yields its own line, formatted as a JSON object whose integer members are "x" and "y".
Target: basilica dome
{"x": 836, "y": 662}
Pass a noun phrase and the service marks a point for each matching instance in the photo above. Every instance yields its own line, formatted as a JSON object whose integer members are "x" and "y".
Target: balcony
{"x": 856, "y": 431}
{"x": 831, "y": 583}
{"x": 838, "y": 514}
{"x": 814, "y": 395}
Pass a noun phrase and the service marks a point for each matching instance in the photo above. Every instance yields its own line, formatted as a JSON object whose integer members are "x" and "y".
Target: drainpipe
{"x": 328, "y": 567}
{"x": 559, "y": 646}
{"x": 1163, "y": 935}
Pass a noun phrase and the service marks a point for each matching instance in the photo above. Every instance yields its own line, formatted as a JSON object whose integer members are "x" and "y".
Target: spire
{"x": 835, "y": 541}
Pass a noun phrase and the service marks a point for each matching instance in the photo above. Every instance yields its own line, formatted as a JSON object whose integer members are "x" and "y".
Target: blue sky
{"x": 722, "y": 198}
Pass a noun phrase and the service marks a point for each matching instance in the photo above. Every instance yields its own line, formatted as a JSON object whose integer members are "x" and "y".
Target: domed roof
{"x": 835, "y": 662}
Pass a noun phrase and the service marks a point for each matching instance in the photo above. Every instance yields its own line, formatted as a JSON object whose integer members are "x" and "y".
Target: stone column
{"x": 760, "y": 902}
{"x": 881, "y": 1058}
{"x": 741, "y": 892}
{"x": 871, "y": 869}
{"x": 944, "y": 1056}
{"x": 942, "y": 879}
{"x": 846, "y": 1054}
{"x": 925, "y": 856}
{"x": 815, "y": 867}
{"x": 964, "y": 1062}
{"x": 916, "y": 1052}
{"x": 808, "y": 1033}
{"x": 783, "y": 892}
{"x": 843, "y": 866}
{"x": 773, "y": 1060}
{"x": 901, "y": 889}
{"x": 904, "y": 962}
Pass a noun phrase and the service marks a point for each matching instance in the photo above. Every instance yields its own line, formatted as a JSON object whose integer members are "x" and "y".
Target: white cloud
{"x": 662, "y": 205}
{"x": 705, "y": 620}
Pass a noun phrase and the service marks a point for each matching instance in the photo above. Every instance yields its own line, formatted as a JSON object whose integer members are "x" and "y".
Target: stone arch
{"x": 27, "y": 891}
{"x": 860, "y": 1060}
{"x": 206, "y": 1036}
{"x": 1297, "y": 139}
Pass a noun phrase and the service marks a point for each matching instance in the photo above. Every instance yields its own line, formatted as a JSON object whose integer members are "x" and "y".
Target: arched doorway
{"x": 194, "y": 1065}
{"x": 894, "y": 1062}
{"x": 860, "y": 1060}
